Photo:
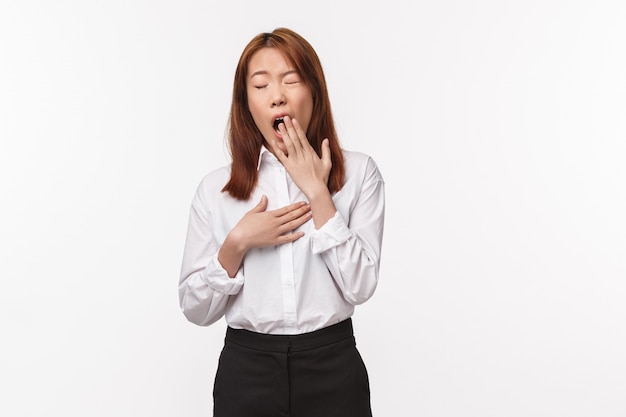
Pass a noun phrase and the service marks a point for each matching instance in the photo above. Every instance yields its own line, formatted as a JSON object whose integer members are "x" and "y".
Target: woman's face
{"x": 276, "y": 90}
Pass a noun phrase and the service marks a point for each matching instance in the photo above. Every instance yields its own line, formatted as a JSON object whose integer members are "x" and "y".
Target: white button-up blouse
{"x": 292, "y": 288}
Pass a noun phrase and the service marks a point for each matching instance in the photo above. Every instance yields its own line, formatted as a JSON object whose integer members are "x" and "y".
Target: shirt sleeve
{"x": 204, "y": 286}
{"x": 351, "y": 248}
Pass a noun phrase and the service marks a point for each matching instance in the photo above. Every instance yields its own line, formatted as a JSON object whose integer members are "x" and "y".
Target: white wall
{"x": 499, "y": 127}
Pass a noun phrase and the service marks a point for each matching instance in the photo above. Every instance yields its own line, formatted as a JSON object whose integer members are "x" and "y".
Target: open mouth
{"x": 278, "y": 121}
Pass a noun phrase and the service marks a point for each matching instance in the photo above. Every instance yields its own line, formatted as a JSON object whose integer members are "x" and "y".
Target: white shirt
{"x": 292, "y": 288}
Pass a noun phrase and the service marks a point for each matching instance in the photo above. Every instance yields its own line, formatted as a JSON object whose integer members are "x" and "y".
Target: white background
{"x": 499, "y": 127}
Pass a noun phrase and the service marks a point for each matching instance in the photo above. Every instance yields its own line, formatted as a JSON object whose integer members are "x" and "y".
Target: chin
{"x": 278, "y": 144}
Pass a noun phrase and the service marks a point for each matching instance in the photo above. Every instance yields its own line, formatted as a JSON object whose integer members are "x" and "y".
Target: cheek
{"x": 254, "y": 103}
{"x": 253, "y": 108}
{"x": 305, "y": 110}
{"x": 256, "y": 114}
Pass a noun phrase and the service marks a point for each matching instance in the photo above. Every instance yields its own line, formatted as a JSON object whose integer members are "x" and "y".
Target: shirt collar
{"x": 265, "y": 154}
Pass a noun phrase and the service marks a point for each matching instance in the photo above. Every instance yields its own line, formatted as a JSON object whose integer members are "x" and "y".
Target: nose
{"x": 278, "y": 98}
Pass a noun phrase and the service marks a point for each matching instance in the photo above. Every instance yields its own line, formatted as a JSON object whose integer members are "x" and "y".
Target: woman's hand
{"x": 306, "y": 168}
{"x": 260, "y": 228}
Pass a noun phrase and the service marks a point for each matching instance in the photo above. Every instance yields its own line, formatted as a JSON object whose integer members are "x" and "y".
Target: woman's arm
{"x": 351, "y": 248}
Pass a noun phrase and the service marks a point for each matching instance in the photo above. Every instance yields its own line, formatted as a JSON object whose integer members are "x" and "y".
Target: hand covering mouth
{"x": 278, "y": 121}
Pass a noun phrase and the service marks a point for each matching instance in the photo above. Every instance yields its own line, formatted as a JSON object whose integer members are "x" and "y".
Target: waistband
{"x": 293, "y": 343}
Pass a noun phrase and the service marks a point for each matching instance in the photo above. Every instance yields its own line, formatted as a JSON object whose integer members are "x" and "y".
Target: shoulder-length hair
{"x": 245, "y": 139}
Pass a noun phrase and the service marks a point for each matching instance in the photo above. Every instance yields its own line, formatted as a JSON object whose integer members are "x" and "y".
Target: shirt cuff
{"x": 331, "y": 234}
{"x": 219, "y": 280}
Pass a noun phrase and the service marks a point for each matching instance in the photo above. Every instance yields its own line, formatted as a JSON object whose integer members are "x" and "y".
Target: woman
{"x": 284, "y": 242}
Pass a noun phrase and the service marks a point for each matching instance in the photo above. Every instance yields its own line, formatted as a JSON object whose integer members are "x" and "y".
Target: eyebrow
{"x": 264, "y": 72}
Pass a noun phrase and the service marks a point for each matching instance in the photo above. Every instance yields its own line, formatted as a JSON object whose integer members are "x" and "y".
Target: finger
{"x": 292, "y": 225}
{"x": 289, "y": 237}
{"x": 326, "y": 152}
{"x": 297, "y": 135}
{"x": 287, "y": 139}
{"x": 302, "y": 211}
{"x": 300, "y": 134}
{"x": 293, "y": 134}
{"x": 293, "y": 221}
{"x": 297, "y": 222}
{"x": 288, "y": 224}
{"x": 291, "y": 207}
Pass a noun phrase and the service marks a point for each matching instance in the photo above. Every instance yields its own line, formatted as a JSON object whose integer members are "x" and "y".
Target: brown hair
{"x": 245, "y": 139}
